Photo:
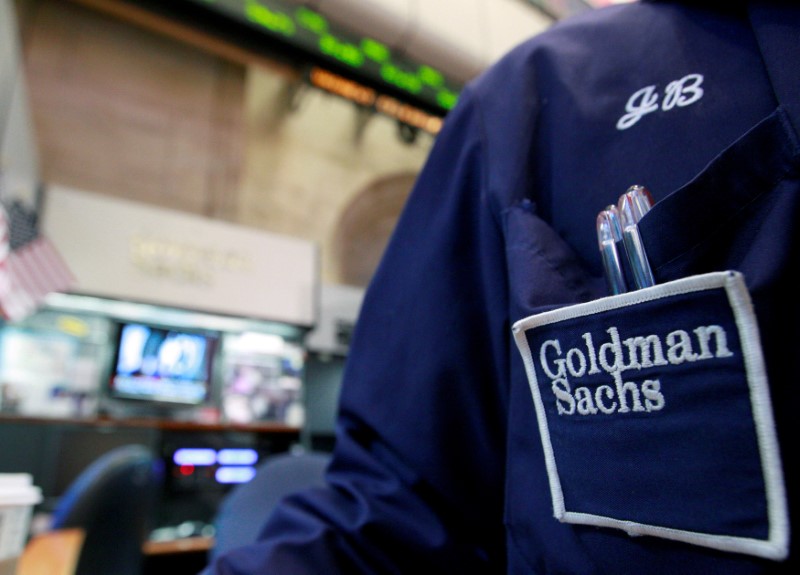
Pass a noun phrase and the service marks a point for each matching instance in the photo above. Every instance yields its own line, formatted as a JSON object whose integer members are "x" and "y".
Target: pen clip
{"x": 632, "y": 206}
{"x": 609, "y": 232}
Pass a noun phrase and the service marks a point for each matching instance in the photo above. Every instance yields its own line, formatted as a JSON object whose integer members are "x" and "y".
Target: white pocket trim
{"x": 776, "y": 546}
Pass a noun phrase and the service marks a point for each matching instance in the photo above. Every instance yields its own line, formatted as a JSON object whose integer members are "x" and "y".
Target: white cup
{"x": 18, "y": 495}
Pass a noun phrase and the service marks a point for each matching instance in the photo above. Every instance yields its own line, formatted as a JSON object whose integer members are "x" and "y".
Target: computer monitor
{"x": 162, "y": 366}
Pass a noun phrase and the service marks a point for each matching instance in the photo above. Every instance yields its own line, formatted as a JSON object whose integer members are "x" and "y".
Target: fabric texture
{"x": 438, "y": 462}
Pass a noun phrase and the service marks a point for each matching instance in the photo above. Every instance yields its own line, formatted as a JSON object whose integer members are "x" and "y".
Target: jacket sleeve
{"x": 418, "y": 468}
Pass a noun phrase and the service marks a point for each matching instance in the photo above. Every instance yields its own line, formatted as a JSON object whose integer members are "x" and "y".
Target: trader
{"x": 501, "y": 411}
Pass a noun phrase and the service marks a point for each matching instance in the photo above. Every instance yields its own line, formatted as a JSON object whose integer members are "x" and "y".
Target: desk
{"x": 104, "y": 422}
{"x": 55, "y": 451}
{"x": 186, "y": 556}
{"x": 185, "y": 545}
{"x": 51, "y": 553}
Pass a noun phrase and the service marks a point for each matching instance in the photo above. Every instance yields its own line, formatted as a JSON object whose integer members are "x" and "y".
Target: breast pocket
{"x": 589, "y": 453}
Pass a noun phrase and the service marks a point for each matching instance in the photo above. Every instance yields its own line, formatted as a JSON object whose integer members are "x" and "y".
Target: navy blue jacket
{"x": 439, "y": 464}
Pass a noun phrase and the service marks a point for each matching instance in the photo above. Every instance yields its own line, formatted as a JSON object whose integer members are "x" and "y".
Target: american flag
{"x": 30, "y": 265}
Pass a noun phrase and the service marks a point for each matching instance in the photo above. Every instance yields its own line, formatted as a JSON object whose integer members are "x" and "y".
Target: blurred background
{"x": 211, "y": 184}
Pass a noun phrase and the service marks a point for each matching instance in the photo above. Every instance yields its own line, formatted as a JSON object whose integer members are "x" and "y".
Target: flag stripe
{"x": 35, "y": 273}
{"x": 35, "y": 270}
{"x": 20, "y": 264}
{"x": 30, "y": 265}
{"x": 36, "y": 262}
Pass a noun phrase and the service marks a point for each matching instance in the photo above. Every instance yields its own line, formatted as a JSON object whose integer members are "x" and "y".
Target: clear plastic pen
{"x": 609, "y": 233}
{"x": 632, "y": 206}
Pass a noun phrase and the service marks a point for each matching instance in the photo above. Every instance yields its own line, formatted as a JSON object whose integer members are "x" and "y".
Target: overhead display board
{"x": 304, "y": 34}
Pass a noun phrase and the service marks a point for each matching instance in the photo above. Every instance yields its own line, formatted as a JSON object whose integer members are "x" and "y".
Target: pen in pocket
{"x": 632, "y": 206}
{"x": 609, "y": 232}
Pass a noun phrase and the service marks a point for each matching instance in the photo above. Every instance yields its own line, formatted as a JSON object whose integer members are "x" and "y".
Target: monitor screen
{"x": 162, "y": 365}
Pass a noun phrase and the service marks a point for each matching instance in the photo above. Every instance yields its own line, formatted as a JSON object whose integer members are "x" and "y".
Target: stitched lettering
{"x": 654, "y": 399}
{"x": 565, "y": 403}
{"x": 616, "y": 356}
{"x": 678, "y": 93}
{"x": 641, "y": 103}
{"x": 683, "y": 92}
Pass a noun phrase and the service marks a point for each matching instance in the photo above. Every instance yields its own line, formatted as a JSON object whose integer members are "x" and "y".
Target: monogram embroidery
{"x": 680, "y": 93}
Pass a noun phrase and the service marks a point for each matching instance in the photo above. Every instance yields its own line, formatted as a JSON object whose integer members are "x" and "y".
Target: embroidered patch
{"x": 681, "y": 93}
{"x": 655, "y": 416}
